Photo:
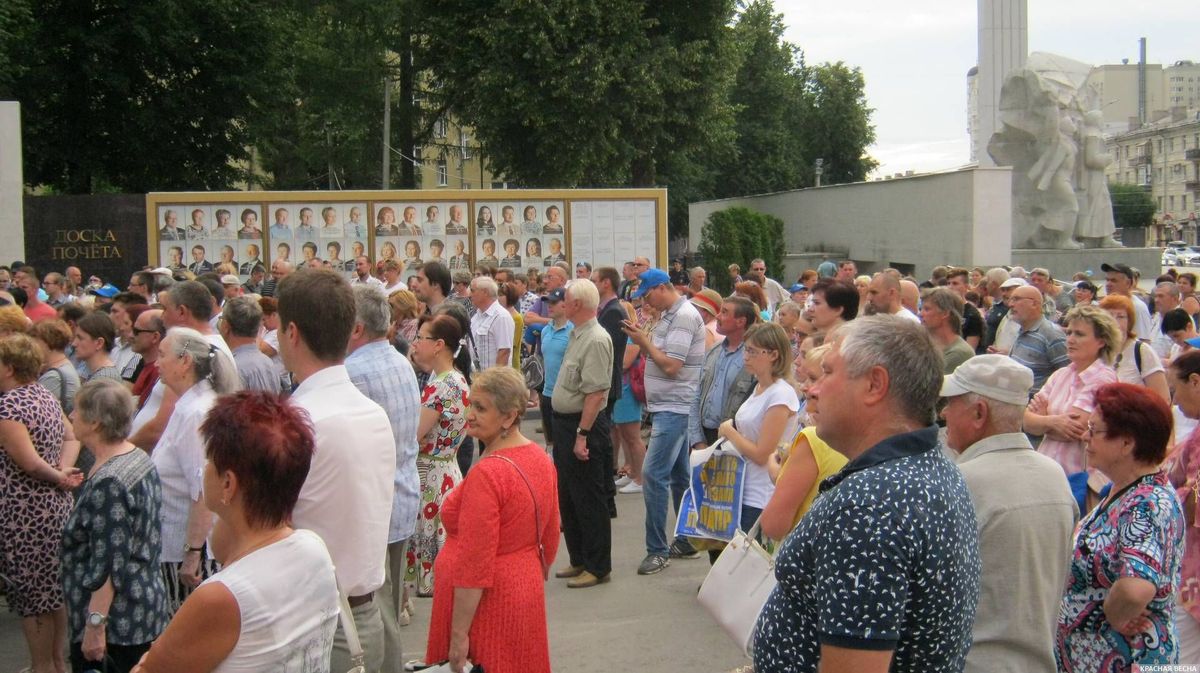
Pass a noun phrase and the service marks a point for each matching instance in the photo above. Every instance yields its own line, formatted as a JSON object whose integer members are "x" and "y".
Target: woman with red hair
{"x": 1117, "y": 612}
{"x": 274, "y": 604}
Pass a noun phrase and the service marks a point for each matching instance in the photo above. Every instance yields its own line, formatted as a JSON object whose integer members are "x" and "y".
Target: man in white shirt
{"x": 1118, "y": 279}
{"x": 1166, "y": 298}
{"x": 884, "y": 295}
{"x": 776, "y": 295}
{"x": 492, "y": 326}
{"x": 362, "y": 272}
{"x": 347, "y": 498}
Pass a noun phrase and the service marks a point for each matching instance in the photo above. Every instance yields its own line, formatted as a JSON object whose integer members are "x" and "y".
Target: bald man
{"x": 884, "y": 295}
{"x": 1040, "y": 345}
{"x": 910, "y": 295}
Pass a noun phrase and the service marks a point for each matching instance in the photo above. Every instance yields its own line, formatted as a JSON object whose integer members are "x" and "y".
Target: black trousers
{"x": 583, "y": 492}
{"x": 547, "y": 417}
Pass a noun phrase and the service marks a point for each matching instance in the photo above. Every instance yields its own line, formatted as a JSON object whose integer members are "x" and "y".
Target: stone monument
{"x": 1050, "y": 135}
{"x": 12, "y": 186}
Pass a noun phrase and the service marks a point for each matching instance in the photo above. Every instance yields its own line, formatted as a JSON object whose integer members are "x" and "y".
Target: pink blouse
{"x": 1068, "y": 389}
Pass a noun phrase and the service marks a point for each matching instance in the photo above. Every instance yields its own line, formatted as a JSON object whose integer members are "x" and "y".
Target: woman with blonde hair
{"x": 12, "y": 320}
{"x": 1059, "y": 411}
{"x": 1136, "y": 362}
{"x": 405, "y": 310}
{"x": 799, "y": 470}
{"x": 766, "y": 417}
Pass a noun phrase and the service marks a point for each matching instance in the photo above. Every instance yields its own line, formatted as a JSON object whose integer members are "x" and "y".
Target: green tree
{"x": 766, "y": 90}
{"x": 736, "y": 236}
{"x": 16, "y": 22}
{"x": 568, "y": 93}
{"x": 834, "y": 122}
{"x": 1132, "y": 205}
{"x": 142, "y": 96}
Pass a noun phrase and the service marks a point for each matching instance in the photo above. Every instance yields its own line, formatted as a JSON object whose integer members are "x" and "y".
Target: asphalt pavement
{"x": 650, "y": 624}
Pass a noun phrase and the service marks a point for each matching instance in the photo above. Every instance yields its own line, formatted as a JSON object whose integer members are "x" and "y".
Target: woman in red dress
{"x": 489, "y": 600}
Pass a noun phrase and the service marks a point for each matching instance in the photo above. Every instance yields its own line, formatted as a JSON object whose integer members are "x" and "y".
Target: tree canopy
{"x": 704, "y": 97}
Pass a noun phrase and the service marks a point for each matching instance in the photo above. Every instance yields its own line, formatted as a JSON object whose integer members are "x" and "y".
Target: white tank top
{"x": 288, "y": 599}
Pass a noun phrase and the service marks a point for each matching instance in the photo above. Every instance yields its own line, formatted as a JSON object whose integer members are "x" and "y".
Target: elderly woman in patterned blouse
{"x": 116, "y": 599}
{"x": 1117, "y": 609}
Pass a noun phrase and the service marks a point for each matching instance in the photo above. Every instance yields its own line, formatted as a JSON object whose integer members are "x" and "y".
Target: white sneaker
{"x": 631, "y": 487}
{"x": 623, "y": 480}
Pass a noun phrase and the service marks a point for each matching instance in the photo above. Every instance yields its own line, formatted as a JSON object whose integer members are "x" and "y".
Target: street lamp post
{"x": 819, "y": 169}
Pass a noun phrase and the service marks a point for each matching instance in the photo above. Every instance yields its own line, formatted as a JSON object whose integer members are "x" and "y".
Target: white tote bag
{"x": 738, "y": 585}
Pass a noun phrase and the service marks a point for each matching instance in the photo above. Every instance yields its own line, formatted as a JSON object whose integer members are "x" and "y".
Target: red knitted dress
{"x": 491, "y": 544}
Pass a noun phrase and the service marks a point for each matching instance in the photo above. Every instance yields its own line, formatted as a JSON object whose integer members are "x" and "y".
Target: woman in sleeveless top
{"x": 251, "y": 616}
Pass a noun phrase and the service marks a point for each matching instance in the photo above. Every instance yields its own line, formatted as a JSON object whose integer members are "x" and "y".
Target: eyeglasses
{"x": 755, "y": 352}
{"x": 138, "y": 330}
{"x": 1094, "y": 431}
{"x": 422, "y": 337}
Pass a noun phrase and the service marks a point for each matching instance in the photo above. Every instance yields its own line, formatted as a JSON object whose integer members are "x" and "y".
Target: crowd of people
{"x": 986, "y": 470}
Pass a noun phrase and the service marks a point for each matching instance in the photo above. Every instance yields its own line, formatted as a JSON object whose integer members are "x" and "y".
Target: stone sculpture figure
{"x": 1057, "y": 156}
{"x": 1095, "y": 225}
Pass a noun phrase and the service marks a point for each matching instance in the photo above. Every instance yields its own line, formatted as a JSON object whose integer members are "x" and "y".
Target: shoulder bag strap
{"x": 537, "y": 519}
{"x": 357, "y": 659}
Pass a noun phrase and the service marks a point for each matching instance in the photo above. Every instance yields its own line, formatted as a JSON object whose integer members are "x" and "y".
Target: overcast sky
{"x": 915, "y": 55}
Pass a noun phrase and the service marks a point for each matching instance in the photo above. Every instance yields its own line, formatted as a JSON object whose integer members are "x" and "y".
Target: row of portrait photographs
{"x": 500, "y": 219}
{"x": 412, "y": 220}
{"x": 310, "y": 221}
{"x": 412, "y": 252}
{"x": 237, "y": 257}
{"x": 521, "y": 252}
{"x": 339, "y": 254}
{"x": 208, "y": 222}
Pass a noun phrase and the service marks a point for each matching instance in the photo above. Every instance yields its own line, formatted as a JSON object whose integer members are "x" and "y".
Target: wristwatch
{"x": 583, "y": 432}
{"x": 96, "y": 620}
{"x": 189, "y": 548}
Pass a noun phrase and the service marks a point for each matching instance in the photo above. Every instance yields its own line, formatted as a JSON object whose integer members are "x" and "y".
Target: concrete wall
{"x": 11, "y": 183}
{"x": 917, "y": 223}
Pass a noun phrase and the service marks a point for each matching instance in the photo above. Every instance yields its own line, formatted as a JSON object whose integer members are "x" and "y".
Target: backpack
{"x": 637, "y": 379}
{"x": 534, "y": 370}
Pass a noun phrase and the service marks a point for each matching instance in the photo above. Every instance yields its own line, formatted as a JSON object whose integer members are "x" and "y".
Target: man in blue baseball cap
{"x": 674, "y": 357}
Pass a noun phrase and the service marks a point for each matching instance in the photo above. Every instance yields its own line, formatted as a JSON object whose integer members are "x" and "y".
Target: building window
{"x": 464, "y": 144}
{"x": 439, "y": 128}
{"x": 466, "y": 185}
{"x": 499, "y": 185}
{"x": 1171, "y": 202}
{"x": 443, "y": 178}
{"x": 1160, "y": 204}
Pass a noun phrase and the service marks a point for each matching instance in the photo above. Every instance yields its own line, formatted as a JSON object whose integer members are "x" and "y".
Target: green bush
{"x": 736, "y": 236}
{"x": 1132, "y": 205}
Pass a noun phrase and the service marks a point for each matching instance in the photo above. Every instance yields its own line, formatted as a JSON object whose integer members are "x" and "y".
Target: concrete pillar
{"x": 12, "y": 184}
{"x": 1003, "y": 46}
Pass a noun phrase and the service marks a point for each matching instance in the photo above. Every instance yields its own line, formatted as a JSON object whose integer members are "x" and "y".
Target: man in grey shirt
{"x": 241, "y": 319}
{"x": 1024, "y": 511}
{"x": 674, "y": 358}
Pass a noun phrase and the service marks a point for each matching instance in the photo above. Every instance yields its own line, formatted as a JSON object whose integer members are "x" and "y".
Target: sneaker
{"x": 586, "y": 579}
{"x": 631, "y": 487}
{"x": 653, "y": 563}
{"x": 683, "y": 549}
{"x": 623, "y": 480}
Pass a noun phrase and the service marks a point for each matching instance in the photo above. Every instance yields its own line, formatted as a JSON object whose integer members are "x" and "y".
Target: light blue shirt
{"x": 554, "y": 346}
{"x": 727, "y": 366}
{"x": 386, "y": 377}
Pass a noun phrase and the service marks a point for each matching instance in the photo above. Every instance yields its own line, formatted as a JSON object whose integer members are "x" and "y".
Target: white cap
{"x": 161, "y": 271}
{"x": 1014, "y": 282}
{"x": 996, "y": 377}
{"x": 230, "y": 279}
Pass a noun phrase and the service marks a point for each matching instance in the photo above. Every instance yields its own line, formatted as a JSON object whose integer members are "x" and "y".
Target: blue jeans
{"x": 666, "y": 466}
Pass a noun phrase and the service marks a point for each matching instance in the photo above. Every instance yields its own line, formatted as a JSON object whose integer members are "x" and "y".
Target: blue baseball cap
{"x": 798, "y": 287}
{"x": 556, "y": 296}
{"x": 107, "y": 290}
{"x": 648, "y": 280}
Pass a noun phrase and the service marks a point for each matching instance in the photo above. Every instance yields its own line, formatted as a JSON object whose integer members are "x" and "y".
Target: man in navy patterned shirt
{"x": 882, "y": 574}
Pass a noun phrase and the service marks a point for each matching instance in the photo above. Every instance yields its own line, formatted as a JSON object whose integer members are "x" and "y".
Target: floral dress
{"x": 437, "y": 464}
{"x": 1139, "y": 533}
